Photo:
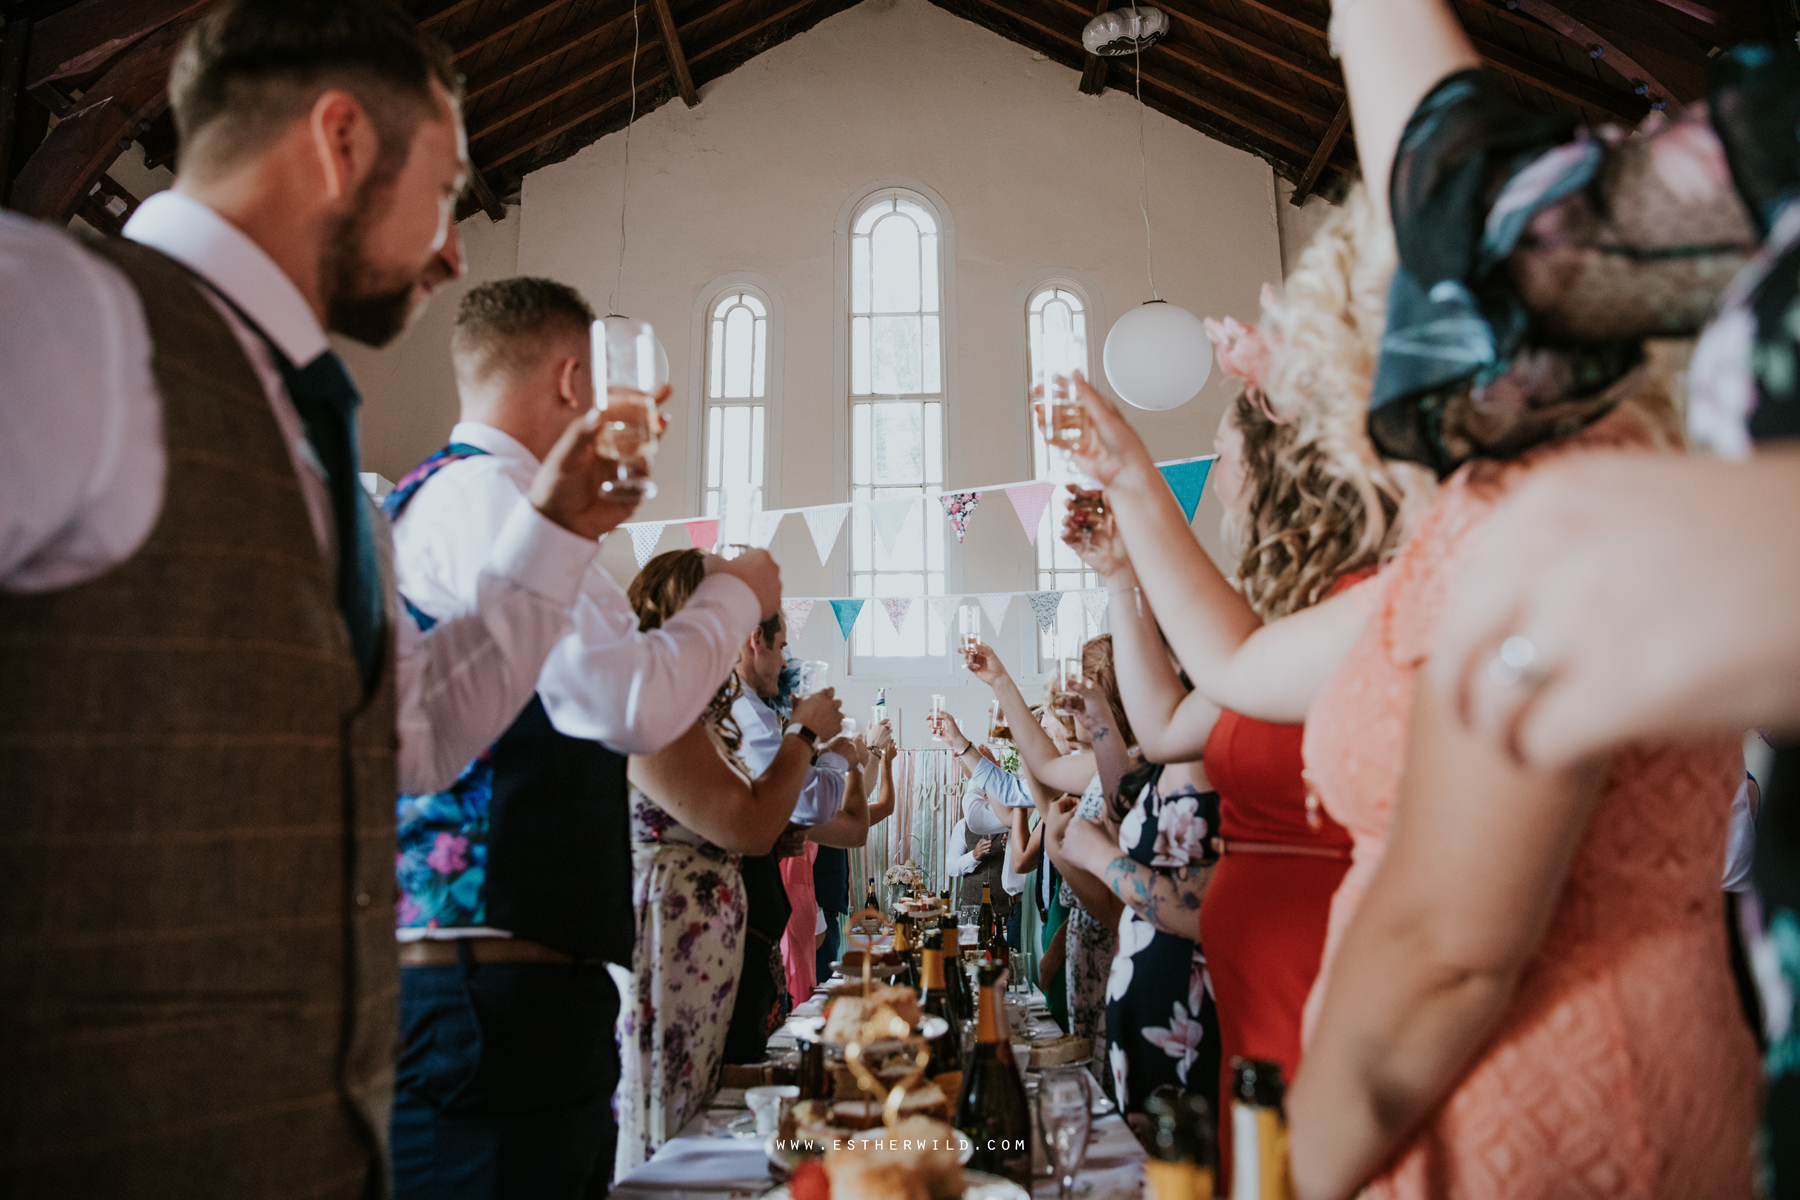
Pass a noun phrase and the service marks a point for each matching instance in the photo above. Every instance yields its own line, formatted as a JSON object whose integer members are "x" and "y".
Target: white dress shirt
{"x": 604, "y": 681}
{"x": 823, "y": 794}
{"x": 1001, "y": 784}
{"x": 82, "y": 466}
{"x": 963, "y": 861}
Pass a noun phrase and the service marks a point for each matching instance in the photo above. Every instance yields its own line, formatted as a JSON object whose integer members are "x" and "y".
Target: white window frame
{"x": 1042, "y": 572}
{"x": 869, "y": 669}
{"x": 699, "y": 397}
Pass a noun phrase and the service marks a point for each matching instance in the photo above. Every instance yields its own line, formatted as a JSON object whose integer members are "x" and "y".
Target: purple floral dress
{"x": 675, "y": 1008}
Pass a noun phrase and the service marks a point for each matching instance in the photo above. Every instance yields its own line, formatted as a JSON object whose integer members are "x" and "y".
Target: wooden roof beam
{"x": 1557, "y": 83}
{"x": 84, "y": 37}
{"x": 1093, "y": 72}
{"x": 1321, "y": 156}
{"x": 504, "y": 28}
{"x": 437, "y": 19}
{"x": 484, "y": 195}
{"x": 1262, "y": 89}
{"x": 527, "y": 142}
{"x": 678, "y": 64}
{"x": 1687, "y": 84}
{"x": 1320, "y": 71}
{"x": 535, "y": 55}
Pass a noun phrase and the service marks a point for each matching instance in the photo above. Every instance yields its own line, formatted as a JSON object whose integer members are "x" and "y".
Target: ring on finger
{"x": 1516, "y": 662}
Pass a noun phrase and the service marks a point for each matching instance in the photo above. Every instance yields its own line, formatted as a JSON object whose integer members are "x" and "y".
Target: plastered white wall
{"x": 1035, "y": 176}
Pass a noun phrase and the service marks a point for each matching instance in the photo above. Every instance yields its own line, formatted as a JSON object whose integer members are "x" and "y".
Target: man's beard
{"x": 373, "y": 305}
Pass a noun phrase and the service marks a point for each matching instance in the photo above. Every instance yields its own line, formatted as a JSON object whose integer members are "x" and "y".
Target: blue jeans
{"x": 505, "y": 1085}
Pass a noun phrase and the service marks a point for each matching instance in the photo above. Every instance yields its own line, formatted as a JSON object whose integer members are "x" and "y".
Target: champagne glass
{"x": 1065, "y": 1118}
{"x": 968, "y": 628}
{"x": 815, "y": 676}
{"x": 998, "y": 730}
{"x": 627, "y": 374}
{"x": 1059, "y": 410}
{"x": 934, "y": 718}
{"x": 1068, "y": 678}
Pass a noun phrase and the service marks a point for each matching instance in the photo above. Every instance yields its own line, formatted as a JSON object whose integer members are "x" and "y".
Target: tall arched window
{"x": 897, "y": 371}
{"x": 1057, "y": 310}
{"x": 737, "y": 378}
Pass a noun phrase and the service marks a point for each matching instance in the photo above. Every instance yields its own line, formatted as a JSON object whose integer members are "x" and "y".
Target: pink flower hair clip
{"x": 1243, "y": 352}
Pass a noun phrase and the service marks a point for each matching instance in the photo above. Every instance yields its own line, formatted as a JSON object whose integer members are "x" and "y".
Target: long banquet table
{"x": 715, "y": 1157}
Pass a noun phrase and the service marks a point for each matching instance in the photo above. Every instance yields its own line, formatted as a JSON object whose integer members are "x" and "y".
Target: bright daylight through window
{"x": 737, "y": 372}
{"x": 1057, "y": 311}
{"x": 896, "y": 419}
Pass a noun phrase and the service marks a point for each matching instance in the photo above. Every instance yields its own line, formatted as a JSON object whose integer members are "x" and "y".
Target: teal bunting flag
{"x": 1187, "y": 480}
{"x": 847, "y": 612}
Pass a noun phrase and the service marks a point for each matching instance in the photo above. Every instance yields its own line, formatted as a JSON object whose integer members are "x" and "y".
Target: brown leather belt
{"x": 442, "y": 953}
{"x": 1296, "y": 849}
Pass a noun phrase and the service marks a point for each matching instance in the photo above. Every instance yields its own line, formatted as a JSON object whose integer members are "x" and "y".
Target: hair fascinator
{"x": 1244, "y": 352}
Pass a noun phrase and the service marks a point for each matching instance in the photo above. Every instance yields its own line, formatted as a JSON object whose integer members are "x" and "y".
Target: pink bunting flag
{"x": 1029, "y": 501}
{"x": 896, "y": 608}
{"x": 795, "y": 613}
{"x": 959, "y": 507}
{"x": 703, "y": 534}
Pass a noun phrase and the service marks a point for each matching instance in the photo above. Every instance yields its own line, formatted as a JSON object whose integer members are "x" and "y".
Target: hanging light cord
{"x": 612, "y": 301}
{"x": 1137, "y": 51}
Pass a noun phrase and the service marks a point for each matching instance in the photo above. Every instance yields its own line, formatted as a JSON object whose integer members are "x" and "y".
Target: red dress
{"x": 1262, "y": 923}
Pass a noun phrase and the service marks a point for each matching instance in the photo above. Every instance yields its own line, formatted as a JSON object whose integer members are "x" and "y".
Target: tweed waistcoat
{"x": 198, "y": 985}
{"x": 986, "y": 871}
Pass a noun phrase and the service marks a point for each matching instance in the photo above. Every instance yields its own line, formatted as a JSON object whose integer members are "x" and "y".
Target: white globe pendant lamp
{"x": 1157, "y": 356}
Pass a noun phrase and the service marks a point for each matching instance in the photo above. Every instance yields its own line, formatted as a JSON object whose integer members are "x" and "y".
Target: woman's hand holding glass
{"x": 984, "y": 664}
{"x": 1111, "y": 450}
{"x": 944, "y": 727}
{"x": 1090, "y": 531}
{"x": 880, "y": 740}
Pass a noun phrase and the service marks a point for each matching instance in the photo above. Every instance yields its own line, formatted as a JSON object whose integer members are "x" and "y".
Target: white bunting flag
{"x": 896, "y": 608}
{"x": 643, "y": 541}
{"x": 824, "y": 521}
{"x": 795, "y": 612}
{"x": 1095, "y": 601}
{"x": 995, "y": 604}
{"x": 945, "y": 608}
{"x": 762, "y": 528}
{"x": 888, "y": 516}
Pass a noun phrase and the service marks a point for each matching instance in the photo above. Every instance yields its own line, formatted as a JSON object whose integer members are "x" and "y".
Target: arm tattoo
{"x": 1168, "y": 900}
{"x": 1100, "y": 733}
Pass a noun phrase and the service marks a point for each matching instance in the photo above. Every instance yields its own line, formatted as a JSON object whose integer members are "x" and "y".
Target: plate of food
{"x": 884, "y": 964}
{"x": 918, "y": 1157}
{"x": 813, "y": 1128}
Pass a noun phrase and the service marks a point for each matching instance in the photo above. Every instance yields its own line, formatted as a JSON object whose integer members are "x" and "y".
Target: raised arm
{"x": 1270, "y": 672}
{"x": 1171, "y": 722}
{"x": 1037, "y": 753}
{"x": 1393, "y": 52}
{"x": 1095, "y": 896}
{"x": 849, "y": 828}
{"x": 1478, "y": 854}
{"x": 881, "y": 741}
{"x": 690, "y": 780}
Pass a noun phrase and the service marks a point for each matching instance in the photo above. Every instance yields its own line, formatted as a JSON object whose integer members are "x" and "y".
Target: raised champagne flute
{"x": 1068, "y": 677}
{"x": 998, "y": 731}
{"x": 934, "y": 719}
{"x": 1060, "y": 411}
{"x": 627, "y": 372}
{"x": 968, "y": 630}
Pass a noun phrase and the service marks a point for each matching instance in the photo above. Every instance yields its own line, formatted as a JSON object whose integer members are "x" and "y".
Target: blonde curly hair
{"x": 1321, "y": 503}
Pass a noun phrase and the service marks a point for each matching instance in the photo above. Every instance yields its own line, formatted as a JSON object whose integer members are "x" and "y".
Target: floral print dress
{"x": 1088, "y": 950}
{"x": 676, "y": 1007}
{"x": 1159, "y": 1003}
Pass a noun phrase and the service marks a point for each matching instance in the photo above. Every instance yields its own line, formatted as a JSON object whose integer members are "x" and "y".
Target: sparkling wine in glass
{"x": 628, "y": 370}
{"x": 935, "y": 717}
{"x": 815, "y": 676}
{"x": 1068, "y": 678}
{"x": 968, "y": 629}
{"x": 1064, "y": 426}
{"x": 1065, "y": 1118}
{"x": 998, "y": 731}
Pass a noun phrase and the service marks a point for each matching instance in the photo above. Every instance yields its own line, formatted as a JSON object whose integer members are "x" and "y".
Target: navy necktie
{"x": 327, "y": 400}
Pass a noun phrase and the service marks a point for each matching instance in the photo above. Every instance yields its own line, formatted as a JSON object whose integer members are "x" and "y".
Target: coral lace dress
{"x": 1622, "y": 1066}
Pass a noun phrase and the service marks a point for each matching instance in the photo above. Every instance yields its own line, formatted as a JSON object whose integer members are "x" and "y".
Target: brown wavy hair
{"x": 1097, "y": 665}
{"x": 658, "y": 592}
{"x": 1319, "y": 503}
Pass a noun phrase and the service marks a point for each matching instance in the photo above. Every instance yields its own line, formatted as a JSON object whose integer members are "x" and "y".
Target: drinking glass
{"x": 1065, "y": 1117}
{"x": 815, "y": 676}
{"x": 998, "y": 730}
{"x": 1059, "y": 410}
{"x": 1068, "y": 677}
{"x": 933, "y": 717}
{"x": 849, "y": 727}
{"x": 627, "y": 374}
{"x": 968, "y": 629}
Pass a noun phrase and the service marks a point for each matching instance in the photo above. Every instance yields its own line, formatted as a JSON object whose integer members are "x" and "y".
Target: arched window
{"x": 736, "y": 416}
{"x": 1057, "y": 311}
{"x": 897, "y": 371}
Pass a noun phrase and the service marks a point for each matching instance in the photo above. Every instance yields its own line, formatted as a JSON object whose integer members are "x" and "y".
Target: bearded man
{"x": 210, "y": 703}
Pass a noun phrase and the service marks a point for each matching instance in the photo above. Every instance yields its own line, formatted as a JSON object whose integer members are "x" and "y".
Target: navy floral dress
{"x": 1159, "y": 1002}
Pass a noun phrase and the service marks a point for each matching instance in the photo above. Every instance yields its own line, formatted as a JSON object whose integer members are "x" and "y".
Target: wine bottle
{"x": 1259, "y": 1152}
{"x": 870, "y": 901}
{"x": 1182, "y": 1146}
{"x": 934, "y": 1001}
{"x": 984, "y": 920}
{"x": 903, "y": 948}
{"x": 991, "y": 1110}
{"x": 955, "y": 982}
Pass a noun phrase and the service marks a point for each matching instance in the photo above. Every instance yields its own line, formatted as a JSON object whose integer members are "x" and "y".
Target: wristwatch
{"x": 801, "y": 731}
